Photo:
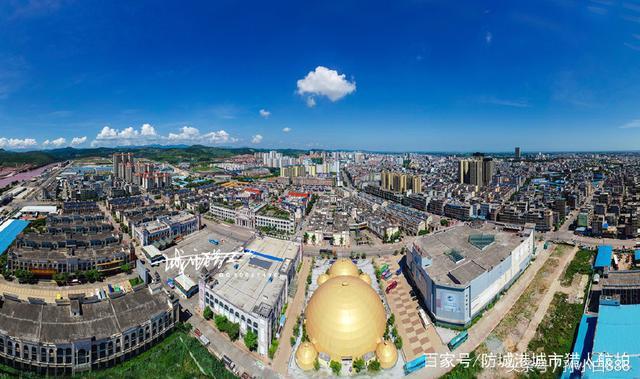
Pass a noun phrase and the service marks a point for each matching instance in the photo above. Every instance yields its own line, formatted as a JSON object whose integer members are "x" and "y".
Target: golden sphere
{"x": 387, "y": 354}
{"x": 366, "y": 278}
{"x": 306, "y": 356}
{"x": 322, "y": 278}
{"x": 345, "y": 318}
{"x": 343, "y": 267}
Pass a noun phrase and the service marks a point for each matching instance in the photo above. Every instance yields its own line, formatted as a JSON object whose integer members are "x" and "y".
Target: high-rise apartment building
{"x": 476, "y": 171}
{"x": 401, "y": 182}
{"x": 517, "y": 153}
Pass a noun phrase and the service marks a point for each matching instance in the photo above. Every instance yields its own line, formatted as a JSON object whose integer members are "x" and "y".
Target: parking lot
{"x": 229, "y": 239}
{"x": 415, "y": 338}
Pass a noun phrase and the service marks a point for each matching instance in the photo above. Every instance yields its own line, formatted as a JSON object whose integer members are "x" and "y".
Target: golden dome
{"x": 306, "y": 356}
{"x": 345, "y": 318}
{"x": 322, "y": 278}
{"x": 366, "y": 278}
{"x": 343, "y": 267}
{"x": 387, "y": 354}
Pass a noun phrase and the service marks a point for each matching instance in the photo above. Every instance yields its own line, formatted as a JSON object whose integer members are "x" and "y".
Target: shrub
{"x": 233, "y": 330}
{"x": 273, "y": 348}
{"x": 359, "y": 365}
{"x": 207, "y": 313}
{"x": 251, "y": 340}
{"x": 374, "y": 366}
{"x": 336, "y": 367}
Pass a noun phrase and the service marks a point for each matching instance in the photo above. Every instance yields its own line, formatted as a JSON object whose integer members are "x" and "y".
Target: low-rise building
{"x": 83, "y": 334}
{"x": 458, "y": 272}
{"x": 252, "y": 290}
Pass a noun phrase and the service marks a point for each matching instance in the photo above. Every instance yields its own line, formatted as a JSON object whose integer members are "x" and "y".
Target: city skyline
{"x": 392, "y": 77}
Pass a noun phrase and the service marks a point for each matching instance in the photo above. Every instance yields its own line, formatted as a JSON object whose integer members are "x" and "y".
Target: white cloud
{"x": 187, "y": 133}
{"x": 148, "y": 134}
{"x": 631, "y": 124}
{"x": 286, "y": 130}
{"x": 58, "y": 142}
{"x": 127, "y": 136}
{"x": 191, "y": 134}
{"x": 78, "y": 141}
{"x": 17, "y": 143}
{"x": 311, "y": 102}
{"x": 488, "y": 37}
{"x": 220, "y": 136}
{"x": 148, "y": 130}
{"x": 264, "y": 113}
{"x": 325, "y": 82}
{"x": 256, "y": 139}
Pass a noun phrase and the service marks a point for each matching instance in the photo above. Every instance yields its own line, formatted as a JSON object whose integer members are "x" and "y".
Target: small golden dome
{"x": 322, "y": 278}
{"x": 306, "y": 356}
{"x": 343, "y": 267}
{"x": 345, "y": 318}
{"x": 366, "y": 278}
{"x": 387, "y": 354}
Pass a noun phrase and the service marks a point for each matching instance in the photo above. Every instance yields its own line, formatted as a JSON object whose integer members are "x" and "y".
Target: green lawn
{"x": 461, "y": 372}
{"x": 556, "y": 331}
{"x": 581, "y": 264}
{"x": 175, "y": 358}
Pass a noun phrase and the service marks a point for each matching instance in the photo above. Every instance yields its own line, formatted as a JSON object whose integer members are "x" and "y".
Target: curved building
{"x": 83, "y": 334}
{"x": 345, "y": 320}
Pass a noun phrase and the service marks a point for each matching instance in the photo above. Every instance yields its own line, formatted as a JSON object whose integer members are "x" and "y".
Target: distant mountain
{"x": 171, "y": 154}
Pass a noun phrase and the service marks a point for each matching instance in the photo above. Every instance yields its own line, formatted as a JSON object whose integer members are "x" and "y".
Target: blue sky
{"x": 393, "y": 76}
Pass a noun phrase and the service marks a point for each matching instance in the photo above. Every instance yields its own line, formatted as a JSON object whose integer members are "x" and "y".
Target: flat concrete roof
{"x": 39, "y": 209}
{"x": 254, "y": 283}
{"x": 441, "y": 248}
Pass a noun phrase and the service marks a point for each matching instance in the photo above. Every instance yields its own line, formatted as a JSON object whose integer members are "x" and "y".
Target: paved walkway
{"x": 416, "y": 340}
{"x": 281, "y": 360}
{"x": 49, "y": 290}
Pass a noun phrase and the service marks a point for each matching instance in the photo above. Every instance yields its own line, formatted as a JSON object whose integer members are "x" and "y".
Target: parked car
{"x": 391, "y": 286}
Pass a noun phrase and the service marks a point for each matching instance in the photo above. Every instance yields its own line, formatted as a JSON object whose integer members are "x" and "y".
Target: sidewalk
{"x": 49, "y": 290}
{"x": 295, "y": 307}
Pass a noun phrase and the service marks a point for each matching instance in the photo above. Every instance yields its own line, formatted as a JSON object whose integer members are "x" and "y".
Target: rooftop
{"x": 254, "y": 283}
{"x": 459, "y": 255}
{"x": 57, "y": 324}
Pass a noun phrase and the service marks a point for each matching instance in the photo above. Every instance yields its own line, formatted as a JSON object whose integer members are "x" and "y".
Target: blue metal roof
{"x": 636, "y": 255}
{"x": 617, "y": 332}
{"x": 603, "y": 259}
{"x": 584, "y": 342}
{"x": 9, "y": 230}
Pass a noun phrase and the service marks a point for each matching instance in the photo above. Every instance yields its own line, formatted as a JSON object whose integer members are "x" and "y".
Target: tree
{"x": 273, "y": 348}
{"x": 61, "y": 278}
{"x": 233, "y": 330}
{"x": 251, "y": 340}
{"x": 374, "y": 366}
{"x": 126, "y": 268}
{"x": 398, "y": 342}
{"x": 207, "y": 313}
{"x": 221, "y": 322}
{"x": 336, "y": 367}
{"x": 359, "y": 364}
{"x": 391, "y": 320}
{"x": 316, "y": 364}
{"x": 93, "y": 275}
{"x": 24, "y": 276}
